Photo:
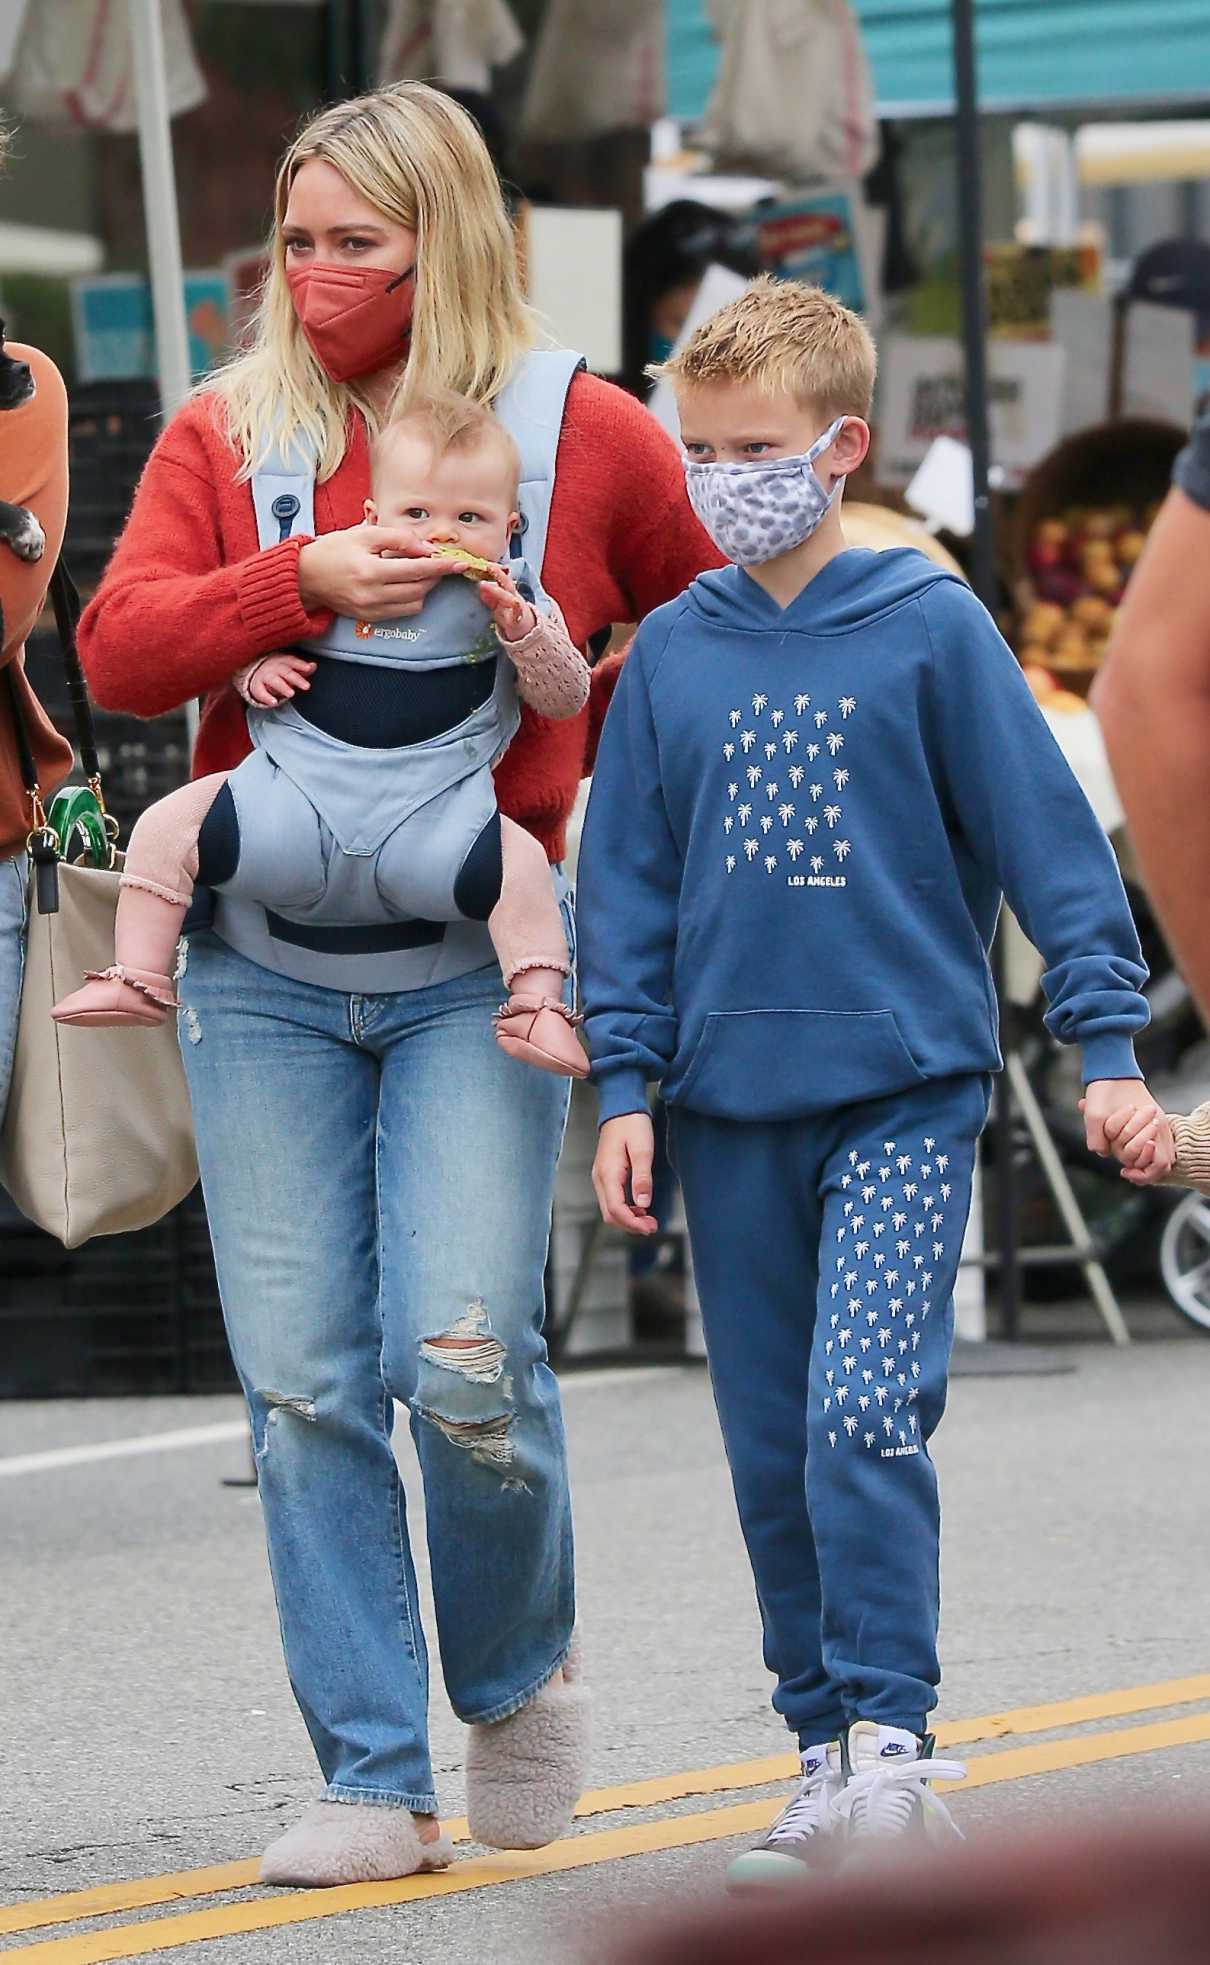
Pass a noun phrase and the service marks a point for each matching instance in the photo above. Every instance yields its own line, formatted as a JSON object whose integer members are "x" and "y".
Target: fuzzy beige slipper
{"x": 525, "y": 1774}
{"x": 351, "y": 1842}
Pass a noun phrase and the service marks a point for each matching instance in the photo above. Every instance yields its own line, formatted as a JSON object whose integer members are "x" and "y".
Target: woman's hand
{"x": 368, "y": 572}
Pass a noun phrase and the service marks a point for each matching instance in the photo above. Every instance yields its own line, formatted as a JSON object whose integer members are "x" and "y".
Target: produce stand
{"x": 1080, "y": 526}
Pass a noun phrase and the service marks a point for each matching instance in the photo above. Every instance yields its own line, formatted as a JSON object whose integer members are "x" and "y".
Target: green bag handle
{"x": 82, "y": 828}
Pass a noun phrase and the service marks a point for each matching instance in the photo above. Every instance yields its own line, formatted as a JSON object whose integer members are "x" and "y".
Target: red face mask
{"x": 356, "y": 318}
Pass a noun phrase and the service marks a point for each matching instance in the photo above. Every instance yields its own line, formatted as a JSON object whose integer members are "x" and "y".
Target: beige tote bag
{"x": 98, "y": 1134}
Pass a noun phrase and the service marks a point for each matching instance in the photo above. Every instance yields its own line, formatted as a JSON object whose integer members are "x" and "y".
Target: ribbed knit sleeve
{"x": 269, "y": 604}
{"x": 1192, "y": 1136}
{"x": 552, "y": 675}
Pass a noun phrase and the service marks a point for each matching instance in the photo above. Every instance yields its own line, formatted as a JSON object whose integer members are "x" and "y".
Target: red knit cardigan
{"x": 188, "y": 598}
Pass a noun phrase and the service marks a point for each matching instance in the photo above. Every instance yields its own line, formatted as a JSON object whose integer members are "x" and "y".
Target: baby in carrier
{"x": 368, "y": 796}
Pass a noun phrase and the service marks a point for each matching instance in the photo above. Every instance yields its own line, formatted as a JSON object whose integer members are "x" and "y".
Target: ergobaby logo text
{"x": 788, "y": 777}
{"x": 366, "y": 631}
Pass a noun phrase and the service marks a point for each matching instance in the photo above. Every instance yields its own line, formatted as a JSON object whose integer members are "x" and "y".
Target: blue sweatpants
{"x": 825, "y": 1251}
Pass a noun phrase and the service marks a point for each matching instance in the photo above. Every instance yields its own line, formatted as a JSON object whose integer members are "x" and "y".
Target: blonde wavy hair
{"x": 419, "y": 159}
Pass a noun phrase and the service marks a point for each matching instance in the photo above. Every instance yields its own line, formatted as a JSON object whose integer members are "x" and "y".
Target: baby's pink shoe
{"x": 541, "y": 1030}
{"x": 118, "y": 996}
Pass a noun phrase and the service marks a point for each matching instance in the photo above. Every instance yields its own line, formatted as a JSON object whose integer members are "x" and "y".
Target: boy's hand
{"x": 625, "y": 1151}
{"x": 279, "y": 677}
{"x": 1116, "y": 1111}
{"x": 513, "y": 616}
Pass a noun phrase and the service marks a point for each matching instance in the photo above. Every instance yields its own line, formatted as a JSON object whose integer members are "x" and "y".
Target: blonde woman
{"x": 378, "y": 1174}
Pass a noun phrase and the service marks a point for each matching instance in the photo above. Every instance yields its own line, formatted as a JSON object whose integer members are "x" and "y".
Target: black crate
{"x": 124, "y": 1314}
{"x": 129, "y": 1313}
{"x": 112, "y": 427}
{"x": 140, "y": 761}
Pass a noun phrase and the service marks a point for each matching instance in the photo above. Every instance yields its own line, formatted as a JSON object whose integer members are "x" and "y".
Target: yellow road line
{"x": 301, "y": 1906}
{"x": 576, "y": 1852}
{"x": 1076, "y": 1712}
{"x": 145, "y": 1893}
{"x": 1049, "y": 1756}
{"x": 142, "y": 1893}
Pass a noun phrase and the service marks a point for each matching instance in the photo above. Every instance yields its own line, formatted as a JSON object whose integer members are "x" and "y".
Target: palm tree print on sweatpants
{"x": 893, "y": 1292}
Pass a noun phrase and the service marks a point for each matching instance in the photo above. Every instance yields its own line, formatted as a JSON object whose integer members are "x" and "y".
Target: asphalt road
{"x": 148, "y": 1729}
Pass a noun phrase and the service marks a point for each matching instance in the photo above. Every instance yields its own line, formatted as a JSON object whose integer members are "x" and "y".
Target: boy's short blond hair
{"x": 449, "y": 422}
{"x": 787, "y": 339}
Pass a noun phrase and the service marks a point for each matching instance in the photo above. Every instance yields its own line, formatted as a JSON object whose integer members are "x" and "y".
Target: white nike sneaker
{"x": 798, "y": 1841}
{"x": 888, "y": 1792}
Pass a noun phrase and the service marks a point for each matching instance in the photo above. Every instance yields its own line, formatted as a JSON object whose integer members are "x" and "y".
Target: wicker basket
{"x": 1127, "y": 462}
{"x": 1124, "y": 463}
{"x": 882, "y": 529}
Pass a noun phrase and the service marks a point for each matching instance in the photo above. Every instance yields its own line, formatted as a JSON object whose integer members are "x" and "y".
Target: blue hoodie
{"x": 801, "y": 824}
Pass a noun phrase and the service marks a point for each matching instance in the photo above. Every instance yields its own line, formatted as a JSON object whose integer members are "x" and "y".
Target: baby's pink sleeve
{"x": 552, "y": 675}
{"x": 242, "y": 678}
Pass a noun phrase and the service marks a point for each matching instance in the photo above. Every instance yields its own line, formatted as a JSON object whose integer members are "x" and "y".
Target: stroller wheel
{"x": 1185, "y": 1259}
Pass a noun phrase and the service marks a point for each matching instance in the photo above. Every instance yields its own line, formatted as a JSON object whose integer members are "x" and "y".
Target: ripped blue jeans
{"x": 379, "y": 1175}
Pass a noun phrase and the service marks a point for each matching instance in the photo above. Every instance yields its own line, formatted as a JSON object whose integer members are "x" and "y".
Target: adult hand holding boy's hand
{"x": 621, "y": 1173}
{"x": 1117, "y": 1111}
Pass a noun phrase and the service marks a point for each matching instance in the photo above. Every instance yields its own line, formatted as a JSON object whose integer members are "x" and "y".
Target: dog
{"x": 19, "y": 529}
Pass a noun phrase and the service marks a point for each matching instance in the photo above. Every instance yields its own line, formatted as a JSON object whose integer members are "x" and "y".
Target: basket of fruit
{"x": 1081, "y": 524}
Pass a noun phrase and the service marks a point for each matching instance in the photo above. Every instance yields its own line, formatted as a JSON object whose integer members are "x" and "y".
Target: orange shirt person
{"x": 33, "y": 473}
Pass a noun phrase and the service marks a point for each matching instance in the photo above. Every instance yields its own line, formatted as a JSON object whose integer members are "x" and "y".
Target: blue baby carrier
{"x": 353, "y": 866}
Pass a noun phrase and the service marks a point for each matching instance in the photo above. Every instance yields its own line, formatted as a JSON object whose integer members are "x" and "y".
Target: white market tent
{"x": 159, "y": 203}
{"x": 76, "y": 63}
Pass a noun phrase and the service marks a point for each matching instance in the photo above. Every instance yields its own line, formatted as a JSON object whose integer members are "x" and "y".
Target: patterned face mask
{"x": 754, "y": 512}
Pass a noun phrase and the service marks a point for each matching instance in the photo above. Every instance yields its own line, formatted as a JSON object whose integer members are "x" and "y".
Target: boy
{"x": 822, "y": 768}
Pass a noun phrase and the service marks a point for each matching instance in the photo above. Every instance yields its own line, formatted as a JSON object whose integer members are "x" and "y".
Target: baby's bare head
{"x": 448, "y": 470}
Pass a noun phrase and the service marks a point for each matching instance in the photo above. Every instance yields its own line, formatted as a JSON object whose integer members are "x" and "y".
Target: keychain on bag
{"x": 77, "y": 827}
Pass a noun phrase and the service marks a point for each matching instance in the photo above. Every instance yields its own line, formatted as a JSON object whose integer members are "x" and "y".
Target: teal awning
{"x": 1033, "y": 54}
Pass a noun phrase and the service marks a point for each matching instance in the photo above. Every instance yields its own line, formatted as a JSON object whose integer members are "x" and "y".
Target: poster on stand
{"x": 823, "y": 238}
{"x": 922, "y": 396}
{"x": 114, "y": 326}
